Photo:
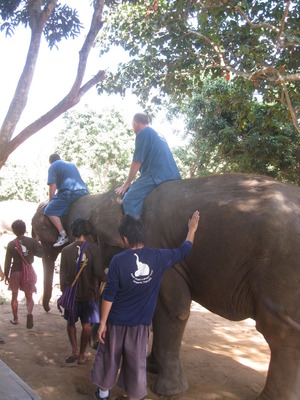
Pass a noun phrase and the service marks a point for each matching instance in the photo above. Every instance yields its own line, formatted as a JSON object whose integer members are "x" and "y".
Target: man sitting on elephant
{"x": 65, "y": 187}
{"x": 153, "y": 158}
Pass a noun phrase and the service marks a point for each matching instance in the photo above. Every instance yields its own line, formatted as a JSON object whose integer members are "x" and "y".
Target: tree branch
{"x": 257, "y": 25}
{"x": 280, "y": 34}
{"x": 284, "y": 17}
{"x": 68, "y": 102}
{"x": 212, "y": 44}
{"x": 95, "y": 27}
{"x": 289, "y": 104}
{"x": 18, "y": 103}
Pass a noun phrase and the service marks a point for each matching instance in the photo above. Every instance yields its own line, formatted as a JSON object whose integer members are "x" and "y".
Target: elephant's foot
{"x": 170, "y": 382}
{"x": 265, "y": 395}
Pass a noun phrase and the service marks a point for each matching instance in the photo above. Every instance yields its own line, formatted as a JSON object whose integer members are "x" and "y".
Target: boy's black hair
{"x": 18, "y": 227}
{"x": 133, "y": 229}
{"x": 80, "y": 227}
{"x": 54, "y": 157}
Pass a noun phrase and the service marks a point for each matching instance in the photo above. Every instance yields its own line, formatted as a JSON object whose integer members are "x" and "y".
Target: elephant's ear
{"x": 105, "y": 218}
{"x": 42, "y": 227}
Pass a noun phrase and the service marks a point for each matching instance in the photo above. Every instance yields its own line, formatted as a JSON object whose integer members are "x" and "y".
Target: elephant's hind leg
{"x": 283, "y": 380}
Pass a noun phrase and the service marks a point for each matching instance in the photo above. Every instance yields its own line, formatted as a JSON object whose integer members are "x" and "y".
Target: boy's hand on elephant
{"x": 193, "y": 222}
{"x": 193, "y": 225}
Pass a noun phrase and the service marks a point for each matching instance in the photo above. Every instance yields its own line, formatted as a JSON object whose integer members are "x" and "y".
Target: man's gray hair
{"x": 142, "y": 118}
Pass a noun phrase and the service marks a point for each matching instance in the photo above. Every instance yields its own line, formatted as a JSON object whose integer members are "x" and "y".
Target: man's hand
{"x": 43, "y": 204}
{"x": 122, "y": 189}
{"x": 135, "y": 166}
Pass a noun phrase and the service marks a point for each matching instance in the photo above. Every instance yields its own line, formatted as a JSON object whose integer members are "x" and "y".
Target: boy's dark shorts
{"x": 87, "y": 311}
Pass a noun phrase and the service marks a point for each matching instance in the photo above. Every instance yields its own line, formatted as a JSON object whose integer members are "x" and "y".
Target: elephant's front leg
{"x": 49, "y": 257}
{"x": 170, "y": 318}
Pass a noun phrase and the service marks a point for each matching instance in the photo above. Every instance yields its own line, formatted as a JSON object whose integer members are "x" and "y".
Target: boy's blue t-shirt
{"x": 66, "y": 176}
{"x": 155, "y": 155}
{"x": 133, "y": 281}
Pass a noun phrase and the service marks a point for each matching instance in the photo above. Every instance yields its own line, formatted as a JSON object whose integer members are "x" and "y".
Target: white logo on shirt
{"x": 143, "y": 269}
{"x": 24, "y": 250}
{"x": 78, "y": 255}
{"x": 142, "y": 274}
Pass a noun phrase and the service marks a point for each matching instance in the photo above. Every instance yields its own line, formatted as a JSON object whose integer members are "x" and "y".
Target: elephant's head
{"x": 105, "y": 217}
{"x": 43, "y": 228}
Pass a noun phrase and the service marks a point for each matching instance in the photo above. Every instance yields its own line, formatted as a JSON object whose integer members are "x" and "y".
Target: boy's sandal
{"x": 72, "y": 358}
{"x": 29, "y": 322}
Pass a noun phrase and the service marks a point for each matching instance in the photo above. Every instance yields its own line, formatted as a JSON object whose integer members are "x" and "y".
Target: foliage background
{"x": 229, "y": 69}
{"x": 101, "y": 144}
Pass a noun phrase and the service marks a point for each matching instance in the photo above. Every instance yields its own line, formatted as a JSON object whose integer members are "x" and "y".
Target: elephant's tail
{"x": 280, "y": 312}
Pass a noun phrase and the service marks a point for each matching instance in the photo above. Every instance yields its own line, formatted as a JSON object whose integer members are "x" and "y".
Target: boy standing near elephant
{"x": 86, "y": 297}
{"x": 128, "y": 305}
{"x": 19, "y": 253}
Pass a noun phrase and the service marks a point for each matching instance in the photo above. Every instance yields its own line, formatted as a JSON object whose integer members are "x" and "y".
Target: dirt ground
{"x": 221, "y": 359}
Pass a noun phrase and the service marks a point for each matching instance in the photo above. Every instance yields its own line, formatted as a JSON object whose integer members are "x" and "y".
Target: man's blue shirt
{"x": 133, "y": 281}
{"x": 155, "y": 155}
{"x": 65, "y": 176}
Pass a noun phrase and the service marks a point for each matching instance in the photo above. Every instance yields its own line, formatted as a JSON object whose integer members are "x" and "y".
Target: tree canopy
{"x": 100, "y": 143}
{"x": 24, "y": 182}
{"x": 205, "y": 60}
{"x": 174, "y": 43}
{"x": 55, "y": 21}
{"x": 230, "y": 131}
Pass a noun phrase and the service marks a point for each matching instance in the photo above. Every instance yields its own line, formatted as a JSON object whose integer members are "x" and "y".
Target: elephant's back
{"x": 249, "y": 234}
{"x": 222, "y": 198}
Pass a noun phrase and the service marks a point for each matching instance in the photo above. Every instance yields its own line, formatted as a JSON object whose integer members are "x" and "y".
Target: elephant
{"x": 244, "y": 264}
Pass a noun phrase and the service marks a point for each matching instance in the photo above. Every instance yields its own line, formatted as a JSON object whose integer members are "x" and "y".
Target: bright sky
{"x": 54, "y": 75}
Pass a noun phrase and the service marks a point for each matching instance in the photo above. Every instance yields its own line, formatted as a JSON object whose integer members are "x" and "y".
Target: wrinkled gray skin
{"x": 246, "y": 252}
